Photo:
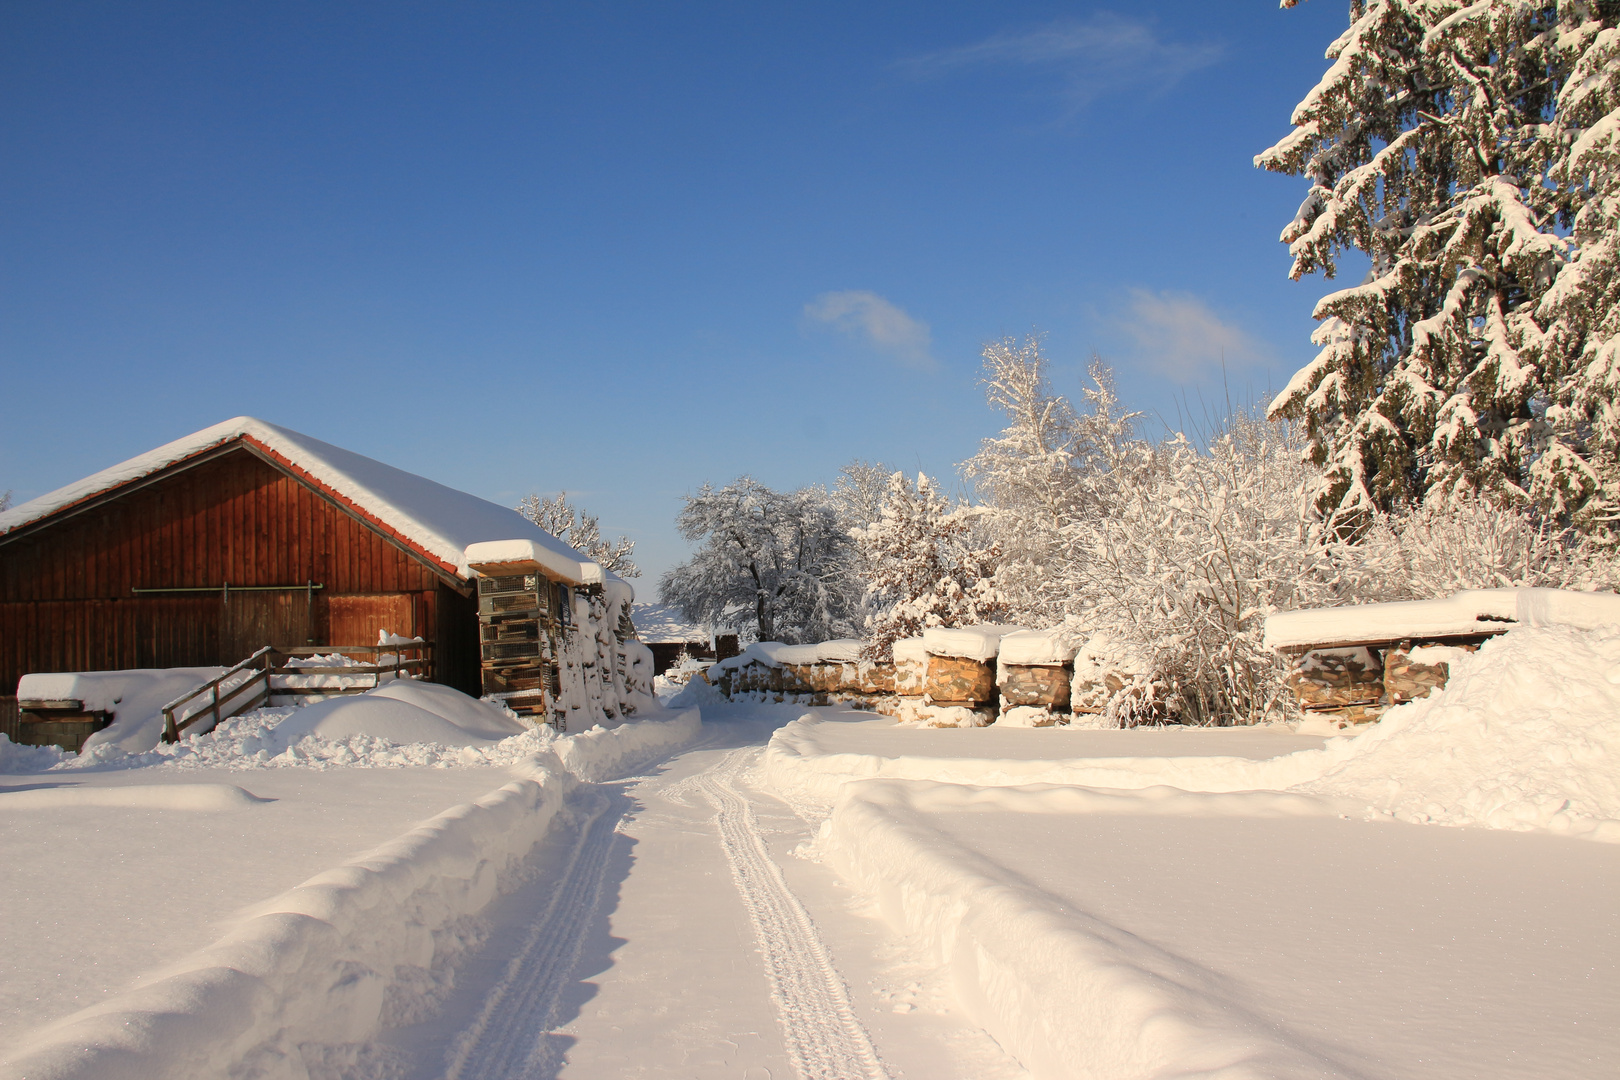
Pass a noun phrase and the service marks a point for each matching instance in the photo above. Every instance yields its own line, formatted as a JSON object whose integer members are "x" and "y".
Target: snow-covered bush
{"x": 1435, "y": 549}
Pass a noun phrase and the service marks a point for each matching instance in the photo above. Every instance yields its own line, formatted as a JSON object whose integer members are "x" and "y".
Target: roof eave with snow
{"x": 437, "y": 522}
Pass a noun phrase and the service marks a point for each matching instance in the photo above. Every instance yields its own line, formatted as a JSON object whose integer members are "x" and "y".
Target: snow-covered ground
{"x": 96, "y": 896}
{"x": 660, "y": 900}
{"x": 261, "y": 898}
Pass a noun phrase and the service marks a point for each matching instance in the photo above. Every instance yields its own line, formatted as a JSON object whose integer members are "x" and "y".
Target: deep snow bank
{"x": 1068, "y": 995}
{"x": 797, "y": 768}
{"x": 1526, "y": 735}
{"x": 307, "y": 977}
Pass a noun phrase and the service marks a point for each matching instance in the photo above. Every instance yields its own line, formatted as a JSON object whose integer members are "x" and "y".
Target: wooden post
{"x": 170, "y": 733}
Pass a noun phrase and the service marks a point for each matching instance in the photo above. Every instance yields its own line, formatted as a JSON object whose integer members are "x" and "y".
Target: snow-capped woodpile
{"x": 819, "y": 674}
{"x": 557, "y": 640}
{"x": 957, "y": 677}
{"x": 1352, "y": 663}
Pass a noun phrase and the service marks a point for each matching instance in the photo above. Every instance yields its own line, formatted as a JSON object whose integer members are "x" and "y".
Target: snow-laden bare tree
{"x": 924, "y": 566}
{"x": 1049, "y": 467}
{"x": 580, "y": 531}
{"x": 1438, "y": 144}
{"x": 1192, "y": 549}
{"x": 774, "y": 555}
{"x": 1436, "y": 549}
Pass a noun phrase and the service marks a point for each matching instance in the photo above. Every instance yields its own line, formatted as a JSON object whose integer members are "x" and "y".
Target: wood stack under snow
{"x": 818, "y": 674}
{"x": 950, "y": 677}
{"x": 1033, "y": 675}
{"x": 1351, "y": 663}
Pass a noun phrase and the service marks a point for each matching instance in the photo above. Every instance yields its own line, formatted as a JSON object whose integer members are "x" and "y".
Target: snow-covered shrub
{"x": 1192, "y": 549}
{"x": 1433, "y": 550}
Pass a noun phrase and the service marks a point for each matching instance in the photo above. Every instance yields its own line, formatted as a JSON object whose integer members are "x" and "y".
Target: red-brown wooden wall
{"x": 67, "y": 600}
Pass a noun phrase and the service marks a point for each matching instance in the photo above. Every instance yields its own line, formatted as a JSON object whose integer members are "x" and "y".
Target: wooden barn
{"x": 240, "y": 536}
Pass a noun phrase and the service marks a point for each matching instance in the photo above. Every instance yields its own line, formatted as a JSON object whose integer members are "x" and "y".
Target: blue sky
{"x": 622, "y": 249}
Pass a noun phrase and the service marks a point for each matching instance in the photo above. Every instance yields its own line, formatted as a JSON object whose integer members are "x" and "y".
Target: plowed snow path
{"x": 668, "y": 934}
{"x": 824, "y": 1039}
{"x": 511, "y": 1038}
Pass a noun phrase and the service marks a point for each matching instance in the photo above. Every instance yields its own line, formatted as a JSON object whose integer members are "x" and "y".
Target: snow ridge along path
{"x": 513, "y": 1037}
{"x": 823, "y": 1037}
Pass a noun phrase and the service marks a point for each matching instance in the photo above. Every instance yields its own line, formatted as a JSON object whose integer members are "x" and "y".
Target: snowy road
{"x": 677, "y": 937}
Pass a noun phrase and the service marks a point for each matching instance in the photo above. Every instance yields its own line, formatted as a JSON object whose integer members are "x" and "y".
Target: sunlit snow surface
{"x": 1289, "y": 917}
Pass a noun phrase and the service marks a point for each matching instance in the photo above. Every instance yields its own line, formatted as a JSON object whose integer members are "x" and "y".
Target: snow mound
{"x": 1525, "y": 735}
{"x": 967, "y": 642}
{"x": 370, "y": 714}
{"x": 135, "y": 698}
{"x": 480, "y": 718}
{"x": 1038, "y": 647}
{"x": 203, "y": 797}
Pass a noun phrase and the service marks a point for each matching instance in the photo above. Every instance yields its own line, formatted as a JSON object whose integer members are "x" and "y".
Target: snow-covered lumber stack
{"x": 1352, "y": 663}
{"x": 959, "y": 680}
{"x": 557, "y": 640}
{"x": 817, "y": 674}
{"x": 1033, "y": 674}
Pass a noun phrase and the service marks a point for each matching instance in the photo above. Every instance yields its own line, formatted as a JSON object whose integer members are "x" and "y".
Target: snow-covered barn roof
{"x": 437, "y": 521}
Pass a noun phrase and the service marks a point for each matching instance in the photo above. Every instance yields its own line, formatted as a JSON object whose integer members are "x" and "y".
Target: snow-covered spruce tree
{"x": 1578, "y": 478}
{"x": 1429, "y": 148}
{"x": 924, "y": 566}
{"x": 580, "y": 531}
{"x": 774, "y": 555}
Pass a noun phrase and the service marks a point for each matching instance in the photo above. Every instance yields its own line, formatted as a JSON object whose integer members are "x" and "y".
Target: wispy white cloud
{"x": 1090, "y": 56}
{"x": 882, "y": 325}
{"x": 1179, "y": 337}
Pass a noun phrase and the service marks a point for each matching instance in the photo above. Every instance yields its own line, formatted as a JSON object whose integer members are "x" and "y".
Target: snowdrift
{"x": 1525, "y": 736}
{"x": 306, "y": 977}
{"x": 1067, "y": 995}
{"x": 135, "y": 698}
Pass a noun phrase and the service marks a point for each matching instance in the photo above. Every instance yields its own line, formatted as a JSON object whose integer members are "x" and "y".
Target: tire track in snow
{"x": 824, "y": 1039}
{"x": 512, "y": 1036}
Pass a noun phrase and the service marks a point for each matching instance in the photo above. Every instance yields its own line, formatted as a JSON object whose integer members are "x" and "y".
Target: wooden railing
{"x": 400, "y": 666}
{"x": 270, "y": 673}
{"x": 220, "y": 703}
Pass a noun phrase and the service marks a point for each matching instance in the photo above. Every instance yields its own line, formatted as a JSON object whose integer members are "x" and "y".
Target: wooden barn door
{"x": 252, "y": 620}
{"x": 357, "y": 620}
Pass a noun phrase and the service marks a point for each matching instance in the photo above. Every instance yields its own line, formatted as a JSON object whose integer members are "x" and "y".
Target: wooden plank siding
{"x": 67, "y": 586}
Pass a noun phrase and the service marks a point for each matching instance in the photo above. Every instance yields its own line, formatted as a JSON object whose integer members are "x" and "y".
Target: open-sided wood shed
{"x": 242, "y": 535}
